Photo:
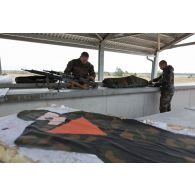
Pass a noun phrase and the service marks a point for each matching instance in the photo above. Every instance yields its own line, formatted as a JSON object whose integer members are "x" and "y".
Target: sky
{"x": 18, "y": 54}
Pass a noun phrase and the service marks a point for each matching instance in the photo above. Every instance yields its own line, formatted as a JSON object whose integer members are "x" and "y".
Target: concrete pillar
{"x": 101, "y": 62}
{"x": 155, "y": 66}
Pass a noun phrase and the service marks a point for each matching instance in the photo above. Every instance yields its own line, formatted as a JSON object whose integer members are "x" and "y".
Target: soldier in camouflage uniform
{"x": 166, "y": 83}
{"x": 81, "y": 67}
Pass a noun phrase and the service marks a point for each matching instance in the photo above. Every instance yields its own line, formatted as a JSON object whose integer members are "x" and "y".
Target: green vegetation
{"x": 119, "y": 72}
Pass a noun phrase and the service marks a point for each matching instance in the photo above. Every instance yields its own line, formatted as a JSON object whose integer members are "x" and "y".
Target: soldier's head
{"x": 84, "y": 57}
{"x": 162, "y": 64}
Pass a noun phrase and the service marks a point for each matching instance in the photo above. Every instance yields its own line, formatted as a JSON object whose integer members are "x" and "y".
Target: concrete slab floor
{"x": 184, "y": 117}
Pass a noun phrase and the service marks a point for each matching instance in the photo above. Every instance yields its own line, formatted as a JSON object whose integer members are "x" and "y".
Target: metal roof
{"x": 133, "y": 43}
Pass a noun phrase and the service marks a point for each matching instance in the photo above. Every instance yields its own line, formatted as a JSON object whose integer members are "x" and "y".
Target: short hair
{"x": 84, "y": 54}
{"x": 163, "y": 62}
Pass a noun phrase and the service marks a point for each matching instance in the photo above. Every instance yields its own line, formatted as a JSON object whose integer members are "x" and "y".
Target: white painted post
{"x": 156, "y": 59}
{"x": 101, "y": 62}
{"x": 155, "y": 66}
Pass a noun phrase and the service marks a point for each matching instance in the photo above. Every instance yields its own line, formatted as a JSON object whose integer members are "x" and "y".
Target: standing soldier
{"x": 81, "y": 67}
{"x": 166, "y": 83}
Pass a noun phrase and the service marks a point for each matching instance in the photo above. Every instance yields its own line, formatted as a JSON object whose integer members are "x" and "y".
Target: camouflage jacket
{"x": 76, "y": 68}
{"x": 110, "y": 138}
{"x": 166, "y": 80}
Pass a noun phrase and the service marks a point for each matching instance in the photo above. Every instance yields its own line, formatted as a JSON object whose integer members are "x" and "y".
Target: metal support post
{"x": 101, "y": 62}
{"x": 155, "y": 66}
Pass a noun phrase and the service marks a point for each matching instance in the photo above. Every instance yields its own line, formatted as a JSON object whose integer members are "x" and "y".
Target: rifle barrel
{"x": 52, "y": 72}
{"x": 47, "y": 74}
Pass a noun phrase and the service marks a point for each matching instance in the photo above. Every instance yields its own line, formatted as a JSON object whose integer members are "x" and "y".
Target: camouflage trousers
{"x": 165, "y": 101}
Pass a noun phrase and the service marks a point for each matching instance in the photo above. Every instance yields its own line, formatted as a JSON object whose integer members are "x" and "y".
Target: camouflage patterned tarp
{"x": 110, "y": 138}
{"x": 125, "y": 82}
{"x": 34, "y": 79}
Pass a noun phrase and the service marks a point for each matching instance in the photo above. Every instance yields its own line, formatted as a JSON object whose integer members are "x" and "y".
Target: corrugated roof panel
{"x": 128, "y": 47}
{"x": 138, "y": 43}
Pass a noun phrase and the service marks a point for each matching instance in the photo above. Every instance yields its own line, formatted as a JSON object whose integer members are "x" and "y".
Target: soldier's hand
{"x": 151, "y": 84}
{"x": 157, "y": 85}
{"x": 91, "y": 78}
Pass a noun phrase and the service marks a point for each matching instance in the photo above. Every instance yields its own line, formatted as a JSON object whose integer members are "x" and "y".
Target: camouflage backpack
{"x": 125, "y": 82}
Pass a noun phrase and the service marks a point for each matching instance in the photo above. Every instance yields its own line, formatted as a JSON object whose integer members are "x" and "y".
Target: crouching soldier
{"x": 166, "y": 83}
{"x": 81, "y": 67}
{"x": 83, "y": 72}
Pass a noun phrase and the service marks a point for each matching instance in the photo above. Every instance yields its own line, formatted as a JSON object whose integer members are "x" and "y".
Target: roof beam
{"x": 99, "y": 37}
{"x": 182, "y": 45}
{"x": 114, "y": 36}
{"x": 128, "y": 51}
{"x": 105, "y": 37}
{"x": 86, "y": 35}
{"x": 158, "y": 39}
{"x": 130, "y": 45}
{"x": 147, "y": 41}
{"x": 139, "y": 42}
{"x": 167, "y": 36}
{"x": 110, "y": 36}
{"x": 177, "y": 40}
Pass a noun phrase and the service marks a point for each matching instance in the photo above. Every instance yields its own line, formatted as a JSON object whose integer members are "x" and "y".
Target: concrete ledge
{"x": 124, "y": 103}
{"x": 184, "y": 87}
{"x": 20, "y": 95}
{"x": 32, "y": 85}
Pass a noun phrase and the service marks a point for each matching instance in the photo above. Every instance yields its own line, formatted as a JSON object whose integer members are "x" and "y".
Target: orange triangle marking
{"x": 78, "y": 126}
